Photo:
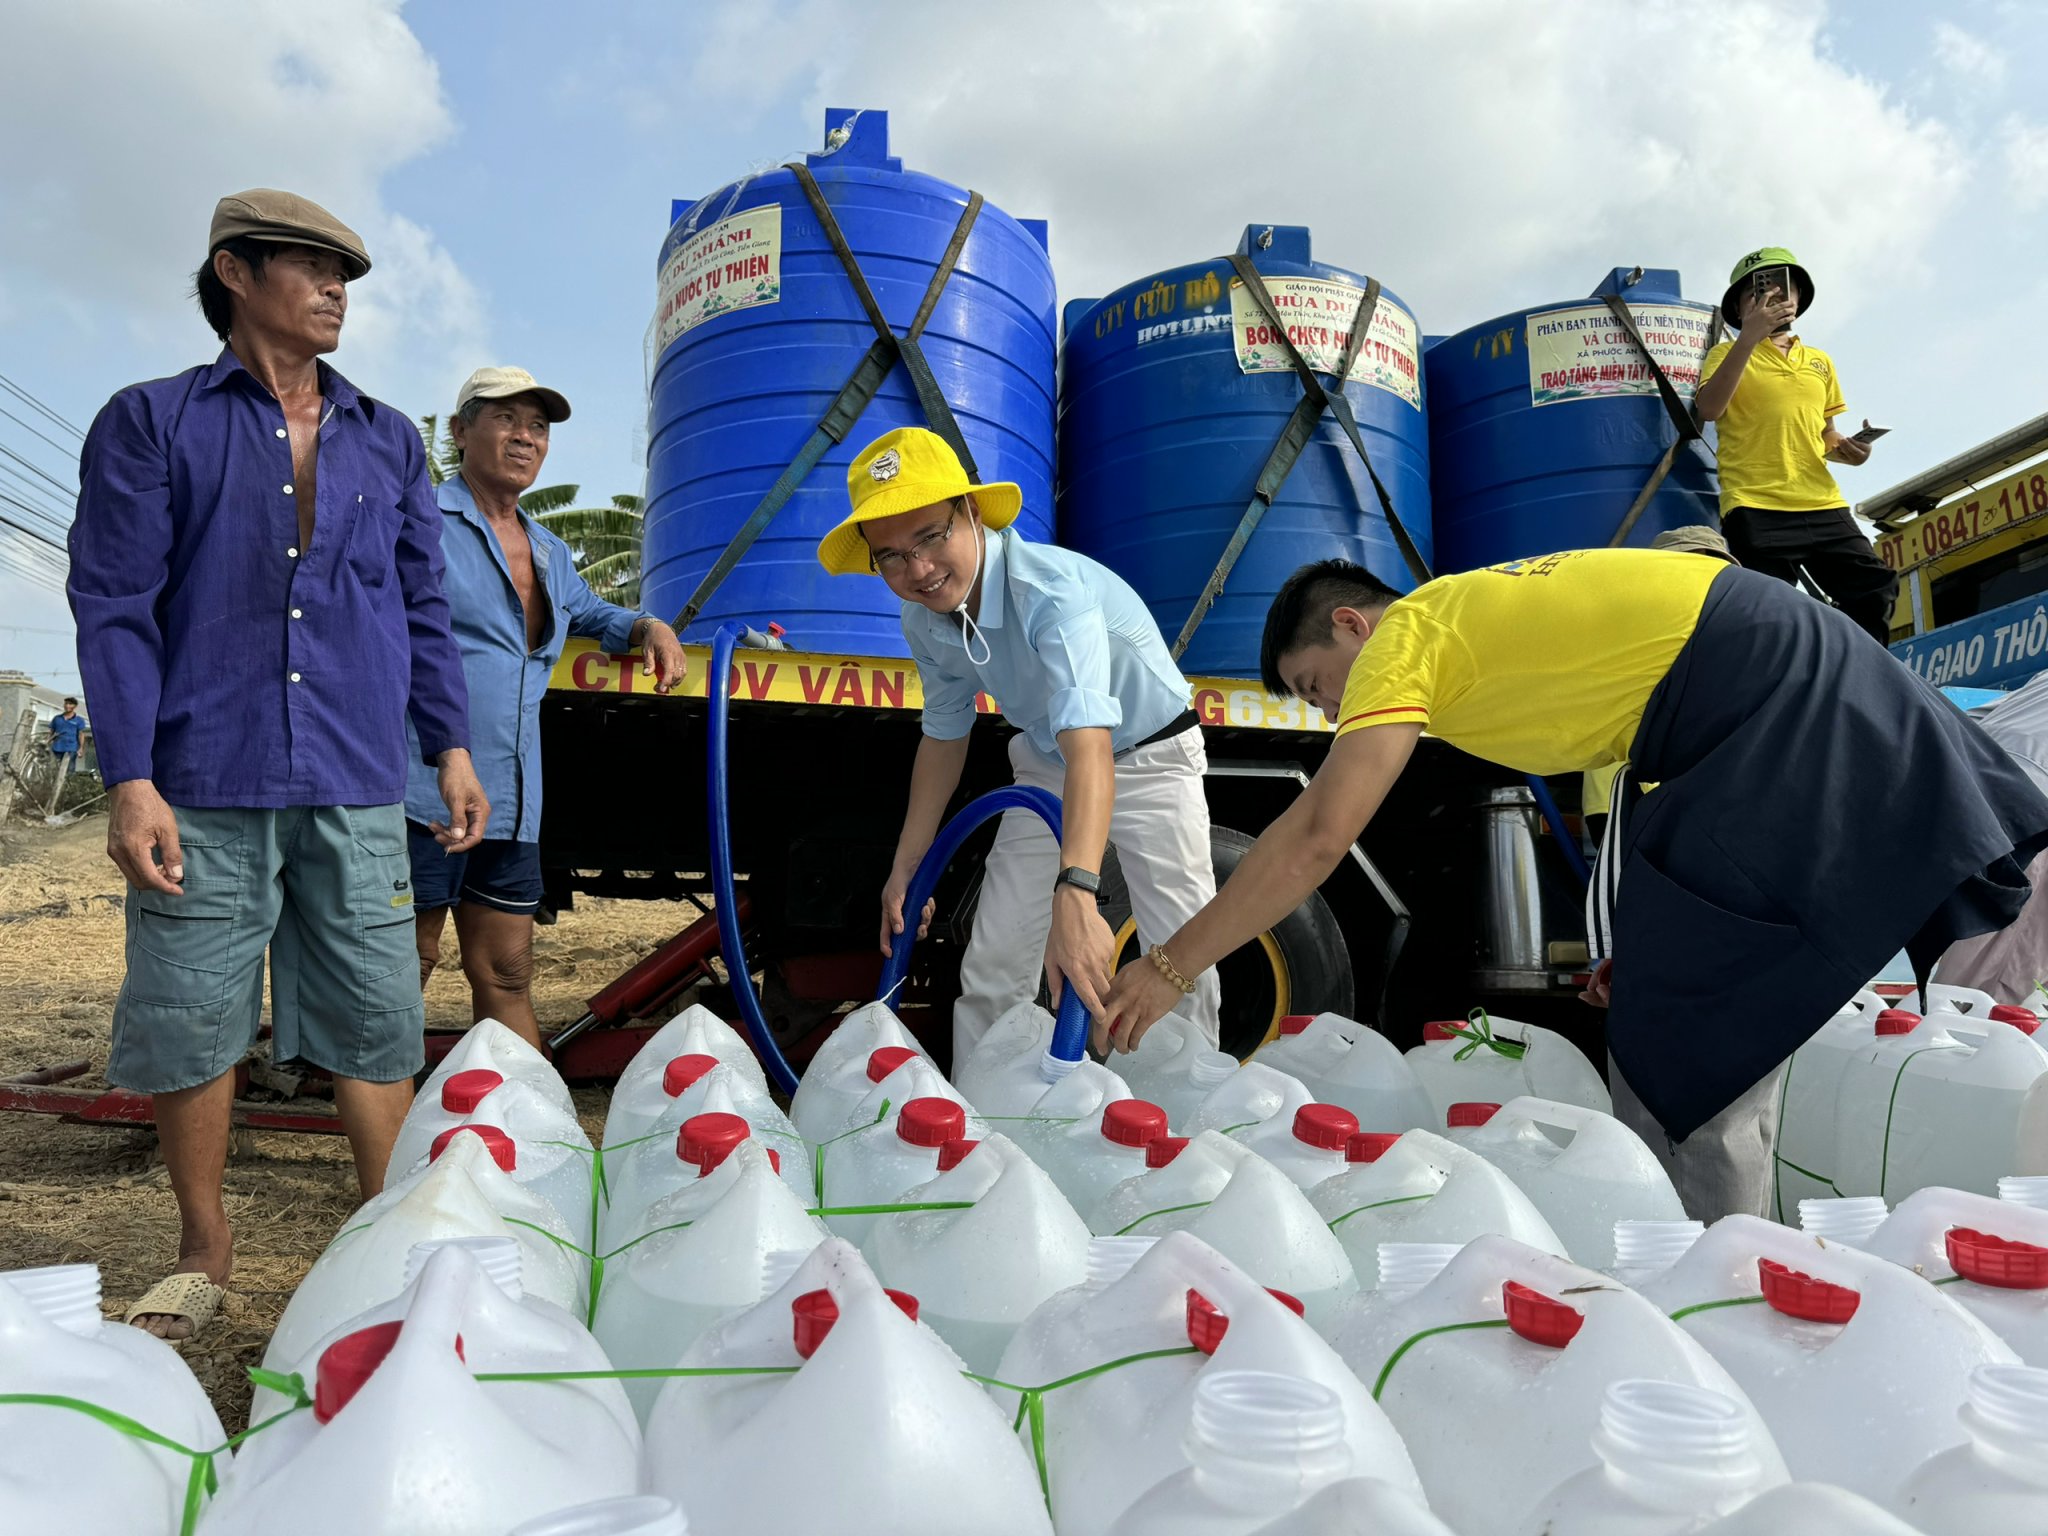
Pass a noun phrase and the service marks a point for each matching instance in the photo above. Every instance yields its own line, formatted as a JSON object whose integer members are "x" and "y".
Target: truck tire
{"x": 1299, "y": 965}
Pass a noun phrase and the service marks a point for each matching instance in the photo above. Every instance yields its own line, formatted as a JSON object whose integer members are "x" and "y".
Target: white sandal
{"x": 190, "y": 1295}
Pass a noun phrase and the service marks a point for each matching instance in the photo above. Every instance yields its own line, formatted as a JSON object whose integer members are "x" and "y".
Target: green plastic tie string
{"x": 1478, "y": 1031}
{"x": 1380, "y": 1385}
{"x": 1335, "y": 1221}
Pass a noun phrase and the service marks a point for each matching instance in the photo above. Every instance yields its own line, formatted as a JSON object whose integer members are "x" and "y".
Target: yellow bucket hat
{"x": 901, "y": 471}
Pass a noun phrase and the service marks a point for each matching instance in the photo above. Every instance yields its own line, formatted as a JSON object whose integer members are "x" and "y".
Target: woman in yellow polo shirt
{"x": 1817, "y": 805}
{"x": 1774, "y": 400}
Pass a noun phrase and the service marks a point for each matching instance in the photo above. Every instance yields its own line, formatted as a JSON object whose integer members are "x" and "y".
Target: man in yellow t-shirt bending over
{"x": 1786, "y": 854}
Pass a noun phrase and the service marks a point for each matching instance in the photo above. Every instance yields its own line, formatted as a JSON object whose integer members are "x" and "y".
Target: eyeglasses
{"x": 893, "y": 562}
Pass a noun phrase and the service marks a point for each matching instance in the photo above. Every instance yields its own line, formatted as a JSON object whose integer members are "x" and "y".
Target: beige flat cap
{"x": 1695, "y": 539}
{"x": 504, "y": 383}
{"x": 285, "y": 218}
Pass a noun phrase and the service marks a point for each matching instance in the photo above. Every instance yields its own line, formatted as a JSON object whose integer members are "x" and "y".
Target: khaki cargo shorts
{"x": 327, "y": 891}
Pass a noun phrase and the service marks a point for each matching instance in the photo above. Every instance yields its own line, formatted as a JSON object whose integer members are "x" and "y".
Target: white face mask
{"x": 971, "y": 631}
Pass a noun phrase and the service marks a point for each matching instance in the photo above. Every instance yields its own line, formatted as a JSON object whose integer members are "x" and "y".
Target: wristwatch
{"x": 1081, "y": 879}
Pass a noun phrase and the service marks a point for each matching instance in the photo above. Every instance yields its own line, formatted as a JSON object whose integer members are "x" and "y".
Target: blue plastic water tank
{"x": 758, "y": 327}
{"x": 1171, "y": 398}
{"x": 1545, "y": 423}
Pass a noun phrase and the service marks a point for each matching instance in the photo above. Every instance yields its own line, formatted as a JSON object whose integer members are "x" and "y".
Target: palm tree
{"x": 605, "y": 540}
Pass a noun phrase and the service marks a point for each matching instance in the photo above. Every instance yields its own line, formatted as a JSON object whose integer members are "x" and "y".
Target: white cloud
{"x": 2026, "y": 161}
{"x": 141, "y": 115}
{"x": 1965, "y": 54}
{"x": 1476, "y": 155}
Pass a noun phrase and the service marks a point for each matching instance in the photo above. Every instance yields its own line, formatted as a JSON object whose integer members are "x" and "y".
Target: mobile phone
{"x": 1869, "y": 435}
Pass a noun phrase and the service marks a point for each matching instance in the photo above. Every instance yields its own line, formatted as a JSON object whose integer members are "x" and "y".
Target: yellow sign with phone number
{"x": 2020, "y": 497}
{"x": 878, "y": 682}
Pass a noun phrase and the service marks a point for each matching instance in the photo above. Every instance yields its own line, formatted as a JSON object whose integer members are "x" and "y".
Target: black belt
{"x": 1186, "y": 719}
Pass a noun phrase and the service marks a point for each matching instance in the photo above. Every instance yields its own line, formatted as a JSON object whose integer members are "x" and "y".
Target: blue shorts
{"x": 497, "y": 872}
{"x": 325, "y": 891}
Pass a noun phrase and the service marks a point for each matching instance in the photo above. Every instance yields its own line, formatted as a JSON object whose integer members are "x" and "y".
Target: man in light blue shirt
{"x": 514, "y": 596}
{"x": 1077, "y": 664}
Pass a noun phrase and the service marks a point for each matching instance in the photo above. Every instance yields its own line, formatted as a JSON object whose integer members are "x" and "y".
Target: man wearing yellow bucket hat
{"x": 1078, "y": 665}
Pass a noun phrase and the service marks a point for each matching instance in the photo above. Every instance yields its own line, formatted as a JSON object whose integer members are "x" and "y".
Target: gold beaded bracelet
{"x": 1168, "y": 970}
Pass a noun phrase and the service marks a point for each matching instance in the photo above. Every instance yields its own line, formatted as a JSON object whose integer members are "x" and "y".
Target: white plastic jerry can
{"x": 463, "y": 1192}
{"x": 1820, "y": 1508}
{"x": 1997, "y": 1479}
{"x": 1672, "y": 1457}
{"x": 1582, "y": 1169}
{"x": 1526, "y": 1345}
{"x": 1112, "y": 1435}
{"x": 1309, "y": 1147}
{"x": 502, "y": 1328}
{"x": 894, "y": 1080}
{"x": 1164, "y": 1058}
{"x": 1990, "y": 1257}
{"x": 702, "y": 1253}
{"x": 640, "y": 1514}
{"x": 555, "y": 1158}
{"x": 696, "y": 1031}
{"x": 1060, "y": 1123}
{"x": 837, "y": 1078}
{"x": 1950, "y": 1100}
{"x": 1354, "y": 1066}
{"x": 1857, "y": 1365}
{"x": 1807, "y": 1154}
{"x": 489, "y": 1046}
{"x": 1260, "y": 1445}
{"x": 1008, "y": 1070}
{"x": 1355, "y": 1505}
{"x": 1262, "y": 1222}
{"x": 875, "y": 1167}
{"x": 979, "y": 1270}
{"x": 62, "y": 1471}
{"x": 675, "y": 1092}
{"x": 1180, "y": 1175}
{"x": 673, "y": 1154}
{"x": 1090, "y": 1155}
{"x": 1418, "y": 1187}
{"x": 1456, "y": 1066}
{"x": 1183, "y": 1094}
{"x": 403, "y": 1437}
{"x": 891, "y": 1438}
{"x": 1250, "y": 1096}
{"x": 1643, "y": 1250}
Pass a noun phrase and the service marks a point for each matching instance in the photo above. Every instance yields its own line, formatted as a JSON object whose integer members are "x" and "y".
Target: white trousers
{"x": 1160, "y": 830}
{"x": 1722, "y": 1169}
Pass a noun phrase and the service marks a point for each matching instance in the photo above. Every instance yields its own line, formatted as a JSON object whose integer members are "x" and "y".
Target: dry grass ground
{"x": 74, "y": 1193}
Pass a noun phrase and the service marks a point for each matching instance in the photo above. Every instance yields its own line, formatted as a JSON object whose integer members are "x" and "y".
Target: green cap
{"x": 1769, "y": 256}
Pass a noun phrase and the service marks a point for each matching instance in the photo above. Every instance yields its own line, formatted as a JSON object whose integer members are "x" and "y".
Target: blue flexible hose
{"x": 723, "y": 900}
{"x": 1546, "y": 804}
{"x": 1070, "y": 1032}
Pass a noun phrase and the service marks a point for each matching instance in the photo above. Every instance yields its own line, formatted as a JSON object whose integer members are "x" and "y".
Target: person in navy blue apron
{"x": 1817, "y": 806}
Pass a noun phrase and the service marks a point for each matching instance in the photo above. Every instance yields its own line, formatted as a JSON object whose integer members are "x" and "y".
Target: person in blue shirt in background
{"x": 1077, "y": 664}
{"x": 256, "y": 580}
{"x": 65, "y": 729}
{"x": 515, "y": 597}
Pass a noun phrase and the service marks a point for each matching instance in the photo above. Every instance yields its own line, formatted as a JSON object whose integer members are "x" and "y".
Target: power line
{"x": 63, "y": 448}
{"x": 36, "y": 534}
{"x": 21, "y": 394}
{"x": 36, "y": 495}
{"x": 70, "y": 493}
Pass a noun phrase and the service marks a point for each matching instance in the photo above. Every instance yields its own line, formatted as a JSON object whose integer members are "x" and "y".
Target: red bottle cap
{"x": 682, "y": 1073}
{"x": 461, "y": 1094}
{"x": 1444, "y": 1029}
{"x": 954, "y": 1152}
{"x": 1161, "y": 1150}
{"x": 352, "y": 1360}
{"x": 881, "y": 1063}
{"x": 1799, "y": 1295}
{"x": 1207, "y": 1326}
{"x": 1295, "y": 1023}
{"x": 1369, "y": 1146}
{"x": 1539, "y": 1318}
{"x": 2025, "y": 1020}
{"x": 503, "y": 1152}
{"x": 1998, "y": 1261}
{"x": 931, "y": 1122}
{"x": 814, "y": 1313}
{"x": 1133, "y": 1123}
{"x": 1328, "y": 1126}
{"x": 708, "y": 1140}
{"x": 1470, "y": 1114}
{"x": 1896, "y": 1021}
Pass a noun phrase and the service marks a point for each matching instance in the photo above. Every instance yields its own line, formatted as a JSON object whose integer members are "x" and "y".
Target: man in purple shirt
{"x": 256, "y": 579}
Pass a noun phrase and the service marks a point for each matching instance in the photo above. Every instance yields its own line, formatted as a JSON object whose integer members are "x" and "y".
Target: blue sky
{"x": 512, "y": 168}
